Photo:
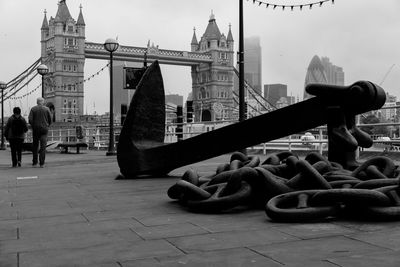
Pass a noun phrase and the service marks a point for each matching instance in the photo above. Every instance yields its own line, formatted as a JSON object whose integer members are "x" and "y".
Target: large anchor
{"x": 141, "y": 150}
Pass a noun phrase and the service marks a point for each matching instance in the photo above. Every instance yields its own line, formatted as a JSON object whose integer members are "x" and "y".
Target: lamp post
{"x": 42, "y": 70}
{"x": 3, "y": 86}
{"x": 111, "y": 45}
{"x": 242, "y": 103}
{"x": 242, "y": 115}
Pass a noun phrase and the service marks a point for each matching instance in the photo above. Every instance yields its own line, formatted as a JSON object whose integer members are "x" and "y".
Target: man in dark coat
{"x": 14, "y": 132}
{"x": 40, "y": 120}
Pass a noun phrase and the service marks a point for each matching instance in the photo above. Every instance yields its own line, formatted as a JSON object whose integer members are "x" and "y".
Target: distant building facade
{"x": 212, "y": 84}
{"x": 334, "y": 74}
{"x": 323, "y": 72}
{"x": 389, "y": 114}
{"x": 172, "y": 101}
{"x": 273, "y": 92}
{"x": 121, "y": 97}
{"x": 175, "y": 99}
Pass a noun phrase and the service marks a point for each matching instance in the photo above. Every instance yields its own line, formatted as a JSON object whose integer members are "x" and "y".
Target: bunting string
{"x": 291, "y": 7}
{"x": 47, "y": 85}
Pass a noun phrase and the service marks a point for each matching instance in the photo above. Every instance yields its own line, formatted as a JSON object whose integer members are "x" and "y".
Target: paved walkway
{"x": 73, "y": 213}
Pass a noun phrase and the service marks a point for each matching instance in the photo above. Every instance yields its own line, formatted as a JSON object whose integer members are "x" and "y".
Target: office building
{"x": 274, "y": 92}
{"x": 389, "y": 114}
{"x": 323, "y": 72}
{"x": 175, "y": 99}
{"x": 252, "y": 62}
{"x": 122, "y": 97}
{"x": 334, "y": 74}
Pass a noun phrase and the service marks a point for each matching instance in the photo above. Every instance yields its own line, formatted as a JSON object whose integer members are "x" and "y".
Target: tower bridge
{"x": 64, "y": 49}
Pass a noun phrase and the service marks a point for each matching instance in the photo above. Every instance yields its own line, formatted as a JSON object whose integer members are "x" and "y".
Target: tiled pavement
{"x": 75, "y": 214}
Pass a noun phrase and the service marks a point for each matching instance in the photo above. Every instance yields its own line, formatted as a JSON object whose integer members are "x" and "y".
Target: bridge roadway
{"x": 75, "y": 214}
{"x": 136, "y": 54}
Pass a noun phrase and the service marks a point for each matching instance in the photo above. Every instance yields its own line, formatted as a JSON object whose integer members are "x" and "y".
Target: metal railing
{"x": 97, "y": 137}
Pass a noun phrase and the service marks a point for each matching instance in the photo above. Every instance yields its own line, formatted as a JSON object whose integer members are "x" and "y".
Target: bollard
{"x": 179, "y": 121}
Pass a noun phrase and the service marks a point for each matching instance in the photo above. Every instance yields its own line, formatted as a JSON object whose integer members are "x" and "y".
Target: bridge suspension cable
{"x": 256, "y": 92}
{"x": 14, "y": 83}
{"x": 29, "y": 69}
{"x": 247, "y": 103}
{"x": 10, "y": 95}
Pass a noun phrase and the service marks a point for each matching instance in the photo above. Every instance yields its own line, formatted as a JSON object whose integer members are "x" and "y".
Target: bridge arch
{"x": 206, "y": 115}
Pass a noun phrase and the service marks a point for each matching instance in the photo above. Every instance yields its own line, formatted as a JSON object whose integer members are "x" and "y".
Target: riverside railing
{"x": 97, "y": 137}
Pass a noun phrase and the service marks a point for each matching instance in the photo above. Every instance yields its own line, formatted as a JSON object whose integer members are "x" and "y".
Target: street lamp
{"x": 42, "y": 70}
{"x": 111, "y": 45}
{"x": 3, "y": 86}
{"x": 242, "y": 113}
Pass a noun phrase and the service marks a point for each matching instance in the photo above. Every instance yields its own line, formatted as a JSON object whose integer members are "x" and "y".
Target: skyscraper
{"x": 252, "y": 62}
{"x": 273, "y": 92}
{"x": 334, "y": 74}
{"x": 323, "y": 72}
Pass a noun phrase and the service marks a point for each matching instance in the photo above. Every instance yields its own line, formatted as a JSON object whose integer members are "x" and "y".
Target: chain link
{"x": 293, "y": 189}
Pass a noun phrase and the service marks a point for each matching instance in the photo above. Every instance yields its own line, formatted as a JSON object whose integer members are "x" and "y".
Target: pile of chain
{"x": 292, "y": 189}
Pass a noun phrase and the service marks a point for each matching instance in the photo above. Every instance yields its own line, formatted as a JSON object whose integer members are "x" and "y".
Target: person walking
{"x": 14, "y": 132}
{"x": 40, "y": 120}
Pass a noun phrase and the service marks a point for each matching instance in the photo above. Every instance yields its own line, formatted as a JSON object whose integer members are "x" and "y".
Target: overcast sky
{"x": 362, "y": 36}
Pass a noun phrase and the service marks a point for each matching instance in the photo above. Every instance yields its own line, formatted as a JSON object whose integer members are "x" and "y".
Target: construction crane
{"x": 386, "y": 74}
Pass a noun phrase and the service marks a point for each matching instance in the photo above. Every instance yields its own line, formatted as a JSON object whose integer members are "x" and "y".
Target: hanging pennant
{"x": 300, "y": 6}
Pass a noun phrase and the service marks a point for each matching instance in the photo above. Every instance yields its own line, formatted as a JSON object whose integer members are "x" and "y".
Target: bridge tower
{"x": 212, "y": 84}
{"x": 63, "y": 51}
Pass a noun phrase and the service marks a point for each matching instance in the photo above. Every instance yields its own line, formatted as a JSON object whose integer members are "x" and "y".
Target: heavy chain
{"x": 293, "y": 189}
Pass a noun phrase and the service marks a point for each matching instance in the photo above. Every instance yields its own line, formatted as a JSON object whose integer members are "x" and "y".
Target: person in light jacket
{"x": 40, "y": 120}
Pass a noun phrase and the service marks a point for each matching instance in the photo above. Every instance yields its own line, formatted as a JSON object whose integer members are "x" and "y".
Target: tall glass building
{"x": 322, "y": 72}
{"x": 252, "y": 62}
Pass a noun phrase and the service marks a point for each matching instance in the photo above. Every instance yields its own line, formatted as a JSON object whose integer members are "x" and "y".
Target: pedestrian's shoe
{"x": 19, "y": 163}
{"x": 34, "y": 164}
{"x": 41, "y": 165}
{"x": 14, "y": 165}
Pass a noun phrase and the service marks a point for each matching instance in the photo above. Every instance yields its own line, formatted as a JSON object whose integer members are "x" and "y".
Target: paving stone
{"x": 8, "y": 213}
{"x": 386, "y": 238}
{"x": 68, "y": 239}
{"x": 94, "y": 255}
{"x": 228, "y": 257}
{"x": 368, "y": 226}
{"x": 225, "y": 240}
{"x": 381, "y": 259}
{"x": 8, "y": 260}
{"x": 108, "y": 228}
{"x": 76, "y": 214}
{"x": 220, "y": 223}
{"x": 8, "y": 233}
{"x": 316, "y": 250}
{"x": 43, "y": 221}
{"x": 313, "y": 230}
{"x": 48, "y": 192}
{"x": 165, "y": 231}
{"x": 110, "y": 214}
{"x": 141, "y": 263}
{"x": 169, "y": 218}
